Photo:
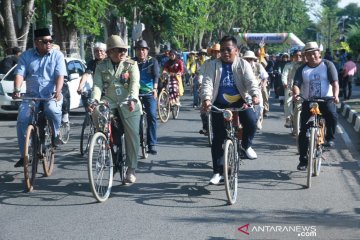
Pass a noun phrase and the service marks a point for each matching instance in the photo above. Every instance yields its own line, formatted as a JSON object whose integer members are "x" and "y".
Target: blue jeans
{"x": 53, "y": 113}
{"x": 196, "y": 91}
{"x": 150, "y": 105}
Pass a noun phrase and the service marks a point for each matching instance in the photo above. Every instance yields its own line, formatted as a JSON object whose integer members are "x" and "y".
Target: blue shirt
{"x": 40, "y": 72}
{"x": 149, "y": 74}
{"x": 228, "y": 93}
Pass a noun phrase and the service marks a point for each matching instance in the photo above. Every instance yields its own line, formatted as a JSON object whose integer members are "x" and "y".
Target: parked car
{"x": 75, "y": 69}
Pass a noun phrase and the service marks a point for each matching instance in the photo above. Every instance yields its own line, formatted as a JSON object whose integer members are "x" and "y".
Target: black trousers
{"x": 328, "y": 111}
{"x": 347, "y": 85}
{"x": 247, "y": 120}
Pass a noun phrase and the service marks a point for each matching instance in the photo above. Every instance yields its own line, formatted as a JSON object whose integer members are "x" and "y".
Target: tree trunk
{"x": 8, "y": 25}
{"x": 65, "y": 34}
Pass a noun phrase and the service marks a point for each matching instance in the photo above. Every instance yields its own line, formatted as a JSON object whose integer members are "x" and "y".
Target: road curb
{"x": 350, "y": 115}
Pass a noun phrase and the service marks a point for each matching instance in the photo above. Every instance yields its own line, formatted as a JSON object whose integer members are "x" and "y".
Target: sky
{"x": 344, "y": 3}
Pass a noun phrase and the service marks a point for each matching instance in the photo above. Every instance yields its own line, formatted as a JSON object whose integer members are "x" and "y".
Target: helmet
{"x": 115, "y": 41}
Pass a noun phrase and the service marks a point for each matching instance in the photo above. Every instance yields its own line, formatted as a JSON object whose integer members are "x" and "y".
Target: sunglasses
{"x": 45, "y": 41}
{"x": 121, "y": 50}
{"x": 228, "y": 49}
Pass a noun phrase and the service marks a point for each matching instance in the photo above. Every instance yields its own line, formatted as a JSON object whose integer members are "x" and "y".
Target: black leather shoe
{"x": 302, "y": 167}
{"x": 329, "y": 144}
{"x": 152, "y": 151}
{"x": 19, "y": 163}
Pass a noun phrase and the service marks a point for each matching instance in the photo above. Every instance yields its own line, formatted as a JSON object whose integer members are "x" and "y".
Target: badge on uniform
{"x": 118, "y": 91}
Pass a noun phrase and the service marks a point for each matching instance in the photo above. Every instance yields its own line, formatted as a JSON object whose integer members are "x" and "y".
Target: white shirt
{"x": 316, "y": 82}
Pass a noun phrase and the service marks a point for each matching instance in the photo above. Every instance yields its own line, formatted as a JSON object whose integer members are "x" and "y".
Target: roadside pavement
{"x": 350, "y": 109}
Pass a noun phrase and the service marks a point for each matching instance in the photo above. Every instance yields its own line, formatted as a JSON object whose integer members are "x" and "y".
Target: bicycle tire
{"x": 65, "y": 132}
{"x": 86, "y": 134}
{"x": 310, "y": 156}
{"x": 297, "y": 129}
{"x": 317, "y": 157}
{"x": 100, "y": 165}
{"x": 230, "y": 171}
{"x": 163, "y": 106}
{"x": 123, "y": 167}
{"x": 30, "y": 158}
{"x": 175, "y": 111}
{"x": 209, "y": 129}
{"x": 143, "y": 136}
{"x": 48, "y": 151}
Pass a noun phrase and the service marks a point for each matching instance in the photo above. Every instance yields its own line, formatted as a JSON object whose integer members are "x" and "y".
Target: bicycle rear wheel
{"x": 310, "y": 156}
{"x": 100, "y": 167}
{"x": 230, "y": 172}
{"x": 65, "y": 132}
{"x": 30, "y": 158}
{"x": 87, "y": 131}
{"x": 48, "y": 151}
{"x": 163, "y": 106}
{"x": 175, "y": 111}
{"x": 123, "y": 167}
{"x": 143, "y": 136}
{"x": 209, "y": 130}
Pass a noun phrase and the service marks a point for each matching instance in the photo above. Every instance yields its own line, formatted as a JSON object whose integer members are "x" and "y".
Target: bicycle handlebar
{"x": 316, "y": 99}
{"x": 243, "y": 108}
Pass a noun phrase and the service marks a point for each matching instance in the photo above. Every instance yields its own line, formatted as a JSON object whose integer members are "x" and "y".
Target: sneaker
{"x": 130, "y": 175}
{"x": 258, "y": 125}
{"x": 216, "y": 179}
{"x": 19, "y": 163}
{"x": 302, "y": 166}
{"x": 329, "y": 144}
{"x": 250, "y": 153}
{"x": 152, "y": 151}
{"x": 287, "y": 123}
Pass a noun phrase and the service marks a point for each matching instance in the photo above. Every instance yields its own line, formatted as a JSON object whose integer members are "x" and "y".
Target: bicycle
{"x": 106, "y": 151}
{"x": 164, "y": 105}
{"x": 232, "y": 150}
{"x": 39, "y": 143}
{"x": 316, "y": 135}
{"x": 144, "y": 128}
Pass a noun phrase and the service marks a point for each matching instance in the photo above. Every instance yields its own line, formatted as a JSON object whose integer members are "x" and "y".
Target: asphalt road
{"x": 172, "y": 199}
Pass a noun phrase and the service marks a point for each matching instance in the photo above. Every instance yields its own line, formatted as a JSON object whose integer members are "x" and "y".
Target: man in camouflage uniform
{"x": 118, "y": 77}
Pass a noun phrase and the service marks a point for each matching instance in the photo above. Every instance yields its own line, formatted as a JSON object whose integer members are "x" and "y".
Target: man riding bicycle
{"x": 149, "y": 78}
{"x": 228, "y": 82}
{"x": 118, "y": 78}
{"x": 317, "y": 78}
{"x": 43, "y": 68}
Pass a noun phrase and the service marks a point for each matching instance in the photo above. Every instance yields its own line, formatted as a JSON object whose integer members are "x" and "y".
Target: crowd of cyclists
{"x": 222, "y": 75}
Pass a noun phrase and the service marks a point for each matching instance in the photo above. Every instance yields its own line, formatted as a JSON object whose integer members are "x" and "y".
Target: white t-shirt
{"x": 315, "y": 82}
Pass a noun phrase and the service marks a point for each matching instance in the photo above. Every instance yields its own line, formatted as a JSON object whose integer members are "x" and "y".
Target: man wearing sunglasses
{"x": 228, "y": 82}
{"x": 43, "y": 68}
{"x": 118, "y": 78}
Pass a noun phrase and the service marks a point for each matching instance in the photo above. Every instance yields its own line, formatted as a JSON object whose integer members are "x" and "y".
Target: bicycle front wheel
{"x": 65, "y": 131}
{"x": 30, "y": 158}
{"x": 87, "y": 131}
{"x": 163, "y": 106}
{"x": 311, "y": 154}
{"x": 48, "y": 154}
{"x": 100, "y": 167}
{"x": 143, "y": 136}
{"x": 230, "y": 171}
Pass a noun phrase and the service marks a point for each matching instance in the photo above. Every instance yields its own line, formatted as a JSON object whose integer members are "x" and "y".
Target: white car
{"x": 75, "y": 68}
